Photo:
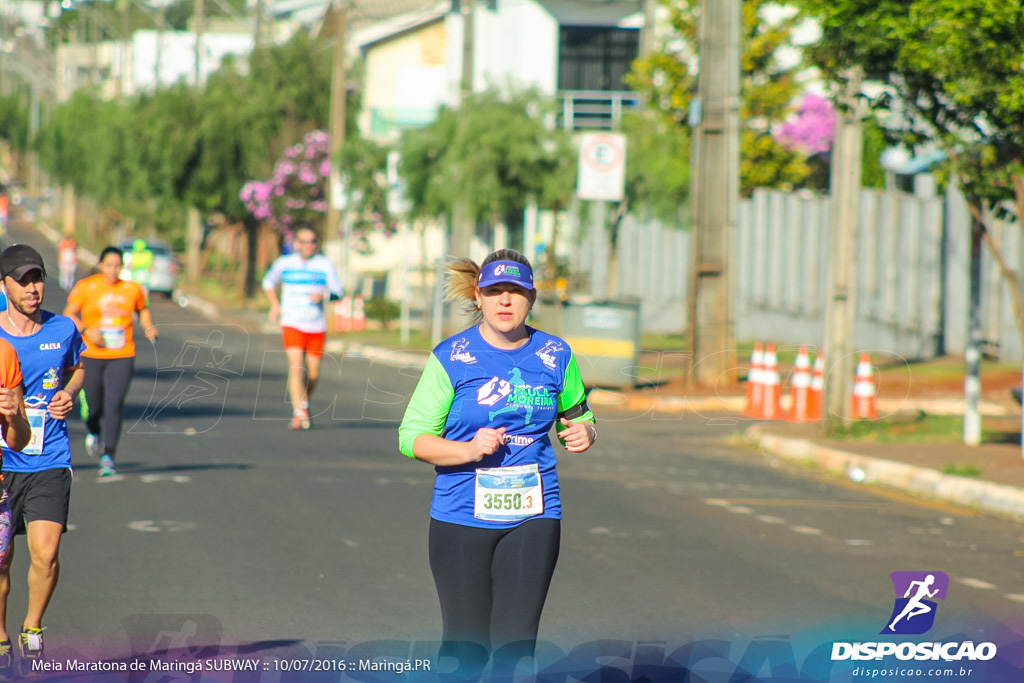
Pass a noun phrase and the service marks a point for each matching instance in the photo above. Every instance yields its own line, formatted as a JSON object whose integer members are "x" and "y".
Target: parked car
{"x": 163, "y": 275}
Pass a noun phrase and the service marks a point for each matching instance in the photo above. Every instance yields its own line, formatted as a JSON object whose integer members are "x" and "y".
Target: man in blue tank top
{"x": 38, "y": 477}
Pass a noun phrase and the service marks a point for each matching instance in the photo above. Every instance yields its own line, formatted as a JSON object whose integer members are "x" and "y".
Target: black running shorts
{"x": 38, "y": 496}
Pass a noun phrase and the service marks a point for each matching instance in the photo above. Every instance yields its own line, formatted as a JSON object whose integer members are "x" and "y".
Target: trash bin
{"x": 604, "y": 336}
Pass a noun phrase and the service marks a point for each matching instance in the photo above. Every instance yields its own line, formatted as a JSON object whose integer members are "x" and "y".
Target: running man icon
{"x": 919, "y": 587}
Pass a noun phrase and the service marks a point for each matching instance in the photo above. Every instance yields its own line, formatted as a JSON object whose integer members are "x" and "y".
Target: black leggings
{"x": 106, "y": 387}
{"x": 492, "y": 584}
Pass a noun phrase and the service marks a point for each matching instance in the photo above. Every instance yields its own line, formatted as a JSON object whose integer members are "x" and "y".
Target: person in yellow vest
{"x": 140, "y": 262}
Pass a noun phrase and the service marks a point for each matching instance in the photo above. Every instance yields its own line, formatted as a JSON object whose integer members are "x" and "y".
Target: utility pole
{"x": 126, "y": 42}
{"x": 842, "y": 278}
{"x": 333, "y": 227}
{"x": 649, "y": 9}
{"x": 200, "y": 20}
{"x": 714, "y": 191}
{"x": 462, "y": 224}
{"x": 159, "y": 46}
{"x": 257, "y": 38}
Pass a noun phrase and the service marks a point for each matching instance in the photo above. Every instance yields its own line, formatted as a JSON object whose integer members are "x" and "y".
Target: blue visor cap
{"x": 512, "y": 272}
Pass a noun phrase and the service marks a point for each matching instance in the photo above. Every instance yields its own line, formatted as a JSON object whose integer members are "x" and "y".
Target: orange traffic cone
{"x": 771, "y": 406}
{"x": 863, "y": 399}
{"x": 358, "y": 314}
{"x": 755, "y": 383}
{"x": 343, "y": 314}
{"x": 817, "y": 387}
{"x": 802, "y": 400}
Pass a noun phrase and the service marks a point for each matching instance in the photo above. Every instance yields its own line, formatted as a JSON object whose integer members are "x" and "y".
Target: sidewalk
{"x": 914, "y": 468}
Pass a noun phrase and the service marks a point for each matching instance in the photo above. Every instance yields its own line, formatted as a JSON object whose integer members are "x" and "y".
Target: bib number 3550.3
{"x": 508, "y": 494}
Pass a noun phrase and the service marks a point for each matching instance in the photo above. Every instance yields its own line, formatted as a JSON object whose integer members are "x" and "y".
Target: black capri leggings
{"x": 492, "y": 583}
{"x": 106, "y": 387}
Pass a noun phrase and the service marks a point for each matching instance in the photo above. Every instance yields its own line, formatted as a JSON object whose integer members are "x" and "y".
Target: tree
{"x": 495, "y": 153}
{"x": 666, "y": 80}
{"x": 951, "y": 77}
{"x": 296, "y": 193}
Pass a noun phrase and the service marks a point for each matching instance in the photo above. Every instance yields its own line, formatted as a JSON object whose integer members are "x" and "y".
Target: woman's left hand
{"x": 577, "y": 436}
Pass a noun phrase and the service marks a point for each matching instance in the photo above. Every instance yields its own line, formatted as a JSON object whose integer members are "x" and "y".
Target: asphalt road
{"x": 230, "y": 535}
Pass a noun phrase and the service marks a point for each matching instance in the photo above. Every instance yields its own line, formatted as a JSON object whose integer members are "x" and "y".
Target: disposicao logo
{"x": 913, "y": 613}
{"x": 916, "y": 592}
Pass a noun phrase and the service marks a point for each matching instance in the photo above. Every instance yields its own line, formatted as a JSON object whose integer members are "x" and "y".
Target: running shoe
{"x": 92, "y": 445}
{"x": 107, "y": 467}
{"x": 6, "y": 661}
{"x": 30, "y": 643}
{"x": 301, "y": 420}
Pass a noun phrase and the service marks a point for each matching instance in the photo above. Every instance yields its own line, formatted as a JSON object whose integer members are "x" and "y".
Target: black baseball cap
{"x": 18, "y": 259}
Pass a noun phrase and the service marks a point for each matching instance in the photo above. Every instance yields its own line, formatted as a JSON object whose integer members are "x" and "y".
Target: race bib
{"x": 114, "y": 335}
{"x": 37, "y": 423}
{"x": 300, "y": 306}
{"x": 508, "y": 494}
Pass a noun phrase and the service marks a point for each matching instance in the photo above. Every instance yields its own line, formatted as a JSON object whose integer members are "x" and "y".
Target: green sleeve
{"x": 573, "y": 393}
{"x": 428, "y": 408}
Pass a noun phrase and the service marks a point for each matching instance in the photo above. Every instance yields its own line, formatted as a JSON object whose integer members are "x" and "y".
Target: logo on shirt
{"x": 50, "y": 346}
{"x": 493, "y": 391}
{"x": 51, "y": 380}
{"x": 518, "y": 396}
{"x": 547, "y": 353}
{"x": 459, "y": 352}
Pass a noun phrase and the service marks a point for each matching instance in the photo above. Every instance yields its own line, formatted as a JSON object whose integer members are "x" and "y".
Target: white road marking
{"x": 808, "y": 530}
{"x": 176, "y": 478}
{"x": 150, "y": 526}
{"x": 769, "y": 519}
{"x": 859, "y": 542}
{"x": 977, "y": 583}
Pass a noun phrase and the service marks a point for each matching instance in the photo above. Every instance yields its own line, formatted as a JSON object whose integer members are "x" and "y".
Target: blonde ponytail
{"x": 460, "y": 285}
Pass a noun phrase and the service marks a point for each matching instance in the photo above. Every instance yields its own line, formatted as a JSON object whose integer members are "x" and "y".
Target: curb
{"x": 992, "y": 497}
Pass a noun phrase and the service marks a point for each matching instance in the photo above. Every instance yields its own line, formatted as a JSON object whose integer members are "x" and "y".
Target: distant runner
{"x": 307, "y": 281}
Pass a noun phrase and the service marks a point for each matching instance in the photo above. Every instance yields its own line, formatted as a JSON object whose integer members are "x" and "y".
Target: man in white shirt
{"x": 307, "y": 280}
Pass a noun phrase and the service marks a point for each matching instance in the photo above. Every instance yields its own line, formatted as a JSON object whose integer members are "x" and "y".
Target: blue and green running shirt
{"x": 468, "y": 384}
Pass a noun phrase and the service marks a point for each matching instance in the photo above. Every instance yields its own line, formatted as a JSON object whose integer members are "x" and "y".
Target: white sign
{"x": 602, "y": 167}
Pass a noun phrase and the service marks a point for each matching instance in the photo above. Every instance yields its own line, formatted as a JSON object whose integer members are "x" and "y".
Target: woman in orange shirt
{"x": 102, "y": 307}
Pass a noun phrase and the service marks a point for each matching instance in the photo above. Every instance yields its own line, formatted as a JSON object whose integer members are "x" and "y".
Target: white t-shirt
{"x": 299, "y": 279}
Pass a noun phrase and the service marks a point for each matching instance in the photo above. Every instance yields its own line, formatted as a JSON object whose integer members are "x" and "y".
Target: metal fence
{"x": 912, "y": 266}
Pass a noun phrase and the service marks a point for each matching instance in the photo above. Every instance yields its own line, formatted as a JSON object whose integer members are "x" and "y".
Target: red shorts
{"x": 310, "y": 342}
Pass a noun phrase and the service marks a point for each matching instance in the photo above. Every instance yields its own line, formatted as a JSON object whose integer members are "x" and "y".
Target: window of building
{"x": 596, "y": 57}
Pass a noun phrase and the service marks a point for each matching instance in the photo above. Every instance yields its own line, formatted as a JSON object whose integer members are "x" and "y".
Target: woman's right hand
{"x": 93, "y": 335}
{"x": 486, "y": 442}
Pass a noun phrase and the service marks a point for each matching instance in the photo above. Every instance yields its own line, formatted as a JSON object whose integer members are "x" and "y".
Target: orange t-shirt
{"x": 10, "y": 368}
{"x": 108, "y": 308}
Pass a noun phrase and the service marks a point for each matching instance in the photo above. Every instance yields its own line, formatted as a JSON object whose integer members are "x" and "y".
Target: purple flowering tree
{"x": 811, "y": 129}
{"x": 296, "y": 192}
